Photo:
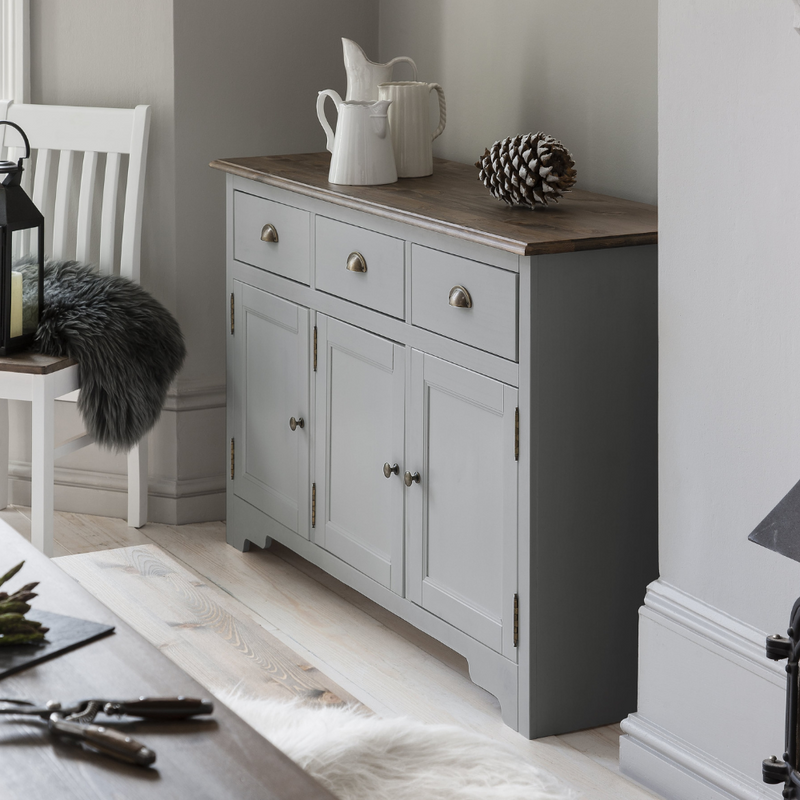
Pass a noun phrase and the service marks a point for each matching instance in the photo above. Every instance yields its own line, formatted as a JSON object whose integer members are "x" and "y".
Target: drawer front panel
{"x": 490, "y": 324}
{"x": 381, "y": 287}
{"x": 289, "y": 255}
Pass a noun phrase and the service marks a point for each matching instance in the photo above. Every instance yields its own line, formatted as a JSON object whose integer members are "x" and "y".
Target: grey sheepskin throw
{"x": 127, "y": 345}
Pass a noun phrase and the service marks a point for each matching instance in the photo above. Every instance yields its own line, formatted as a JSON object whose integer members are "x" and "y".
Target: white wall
{"x": 729, "y": 206}
{"x": 582, "y": 71}
{"x": 730, "y": 288}
{"x": 90, "y": 52}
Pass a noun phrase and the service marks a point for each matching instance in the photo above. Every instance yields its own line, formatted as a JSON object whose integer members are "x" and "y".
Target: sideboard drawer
{"x": 489, "y": 324}
{"x": 289, "y": 255}
{"x": 378, "y": 280}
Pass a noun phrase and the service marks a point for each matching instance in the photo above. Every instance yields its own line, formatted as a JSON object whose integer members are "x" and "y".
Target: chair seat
{"x": 34, "y": 363}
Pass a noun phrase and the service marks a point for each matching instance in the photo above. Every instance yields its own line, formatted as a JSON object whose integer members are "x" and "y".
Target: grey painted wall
{"x": 581, "y": 70}
{"x": 224, "y": 79}
{"x": 729, "y": 333}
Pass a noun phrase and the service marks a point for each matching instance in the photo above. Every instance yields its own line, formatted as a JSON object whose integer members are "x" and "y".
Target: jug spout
{"x": 380, "y": 118}
{"x": 353, "y": 53}
{"x": 380, "y": 108}
{"x": 363, "y": 75}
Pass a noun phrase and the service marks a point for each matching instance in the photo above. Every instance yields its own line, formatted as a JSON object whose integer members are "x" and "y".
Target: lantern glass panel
{"x": 24, "y": 317}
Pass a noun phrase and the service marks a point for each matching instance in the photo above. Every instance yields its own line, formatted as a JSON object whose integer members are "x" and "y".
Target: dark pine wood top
{"x": 34, "y": 363}
{"x": 454, "y": 202}
{"x": 221, "y": 757}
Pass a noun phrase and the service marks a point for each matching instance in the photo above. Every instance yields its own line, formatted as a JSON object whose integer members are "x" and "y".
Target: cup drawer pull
{"x": 460, "y": 297}
{"x": 269, "y": 233}
{"x": 356, "y": 262}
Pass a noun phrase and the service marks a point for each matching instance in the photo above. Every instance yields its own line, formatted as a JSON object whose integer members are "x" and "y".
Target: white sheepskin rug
{"x": 357, "y": 756}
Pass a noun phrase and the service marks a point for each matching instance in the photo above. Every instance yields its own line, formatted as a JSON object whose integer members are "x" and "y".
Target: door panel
{"x": 360, "y": 418}
{"x": 462, "y": 515}
{"x": 272, "y": 358}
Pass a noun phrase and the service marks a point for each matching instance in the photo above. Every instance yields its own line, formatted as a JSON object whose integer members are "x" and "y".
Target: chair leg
{"x": 4, "y": 436}
{"x": 42, "y": 466}
{"x": 137, "y": 485}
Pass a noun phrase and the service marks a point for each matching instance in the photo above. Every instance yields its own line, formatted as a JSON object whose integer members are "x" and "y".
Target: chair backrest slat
{"x": 41, "y": 181}
{"x": 131, "y": 248}
{"x": 108, "y": 216}
{"x": 85, "y": 205}
{"x": 61, "y": 209}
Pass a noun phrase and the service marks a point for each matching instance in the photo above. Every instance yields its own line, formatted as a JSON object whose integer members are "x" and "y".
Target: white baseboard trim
{"x": 677, "y": 771}
{"x": 709, "y": 701}
{"x": 173, "y": 502}
{"x": 711, "y": 628}
{"x": 195, "y": 398}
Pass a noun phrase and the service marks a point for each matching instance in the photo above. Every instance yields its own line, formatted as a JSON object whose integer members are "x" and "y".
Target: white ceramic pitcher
{"x": 363, "y": 75}
{"x": 409, "y": 119}
{"x": 361, "y": 149}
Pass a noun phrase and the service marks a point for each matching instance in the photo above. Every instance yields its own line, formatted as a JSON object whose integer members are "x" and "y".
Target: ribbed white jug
{"x": 409, "y": 120}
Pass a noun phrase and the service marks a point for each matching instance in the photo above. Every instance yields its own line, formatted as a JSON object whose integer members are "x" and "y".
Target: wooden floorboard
{"x": 347, "y": 641}
{"x": 208, "y": 634}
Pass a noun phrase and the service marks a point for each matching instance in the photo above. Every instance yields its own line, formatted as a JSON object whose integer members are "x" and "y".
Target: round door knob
{"x": 296, "y": 423}
{"x": 460, "y": 297}
{"x": 409, "y": 478}
{"x": 390, "y": 469}
{"x": 356, "y": 262}
{"x": 269, "y": 233}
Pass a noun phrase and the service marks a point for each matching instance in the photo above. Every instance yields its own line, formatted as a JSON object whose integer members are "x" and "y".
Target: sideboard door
{"x": 462, "y": 515}
{"x": 360, "y": 427}
{"x": 271, "y": 344}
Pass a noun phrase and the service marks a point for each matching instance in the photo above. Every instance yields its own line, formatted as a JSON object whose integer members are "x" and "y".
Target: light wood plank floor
{"x": 382, "y": 661}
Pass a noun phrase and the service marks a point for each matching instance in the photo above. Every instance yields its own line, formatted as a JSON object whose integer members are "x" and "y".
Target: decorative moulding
{"x": 681, "y": 743}
{"x": 797, "y": 15}
{"x": 15, "y": 50}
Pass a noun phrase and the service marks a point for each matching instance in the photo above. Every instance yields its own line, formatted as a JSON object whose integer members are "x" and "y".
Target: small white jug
{"x": 361, "y": 150}
{"x": 363, "y": 75}
{"x": 409, "y": 119}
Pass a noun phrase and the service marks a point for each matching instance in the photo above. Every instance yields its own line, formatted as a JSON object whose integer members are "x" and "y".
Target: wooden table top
{"x": 221, "y": 757}
{"x": 454, "y": 202}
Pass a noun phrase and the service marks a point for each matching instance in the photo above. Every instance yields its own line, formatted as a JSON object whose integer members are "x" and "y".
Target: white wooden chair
{"x": 77, "y": 182}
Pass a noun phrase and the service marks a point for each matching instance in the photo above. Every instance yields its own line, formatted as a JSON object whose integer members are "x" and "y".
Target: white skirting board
{"x": 711, "y": 705}
{"x": 188, "y": 441}
{"x": 106, "y": 495}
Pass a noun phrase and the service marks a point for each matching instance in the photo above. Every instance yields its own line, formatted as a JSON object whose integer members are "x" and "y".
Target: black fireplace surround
{"x": 780, "y": 532}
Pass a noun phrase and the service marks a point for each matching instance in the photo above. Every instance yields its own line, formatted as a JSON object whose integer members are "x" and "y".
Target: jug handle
{"x": 404, "y": 58}
{"x": 323, "y": 120}
{"x": 442, "y": 110}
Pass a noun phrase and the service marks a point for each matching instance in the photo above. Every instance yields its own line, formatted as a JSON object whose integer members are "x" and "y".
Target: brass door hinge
{"x": 313, "y": 505}
{"x": 315, "y": 348}
{"x": 233, "y": 457}
{"x": 516, "y": 435}
{"x": 232, "y": 315}
{"x": 516, "y": 620}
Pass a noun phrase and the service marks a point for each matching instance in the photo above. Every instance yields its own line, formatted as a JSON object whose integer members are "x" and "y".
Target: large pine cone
{"x": 527, "y": 170}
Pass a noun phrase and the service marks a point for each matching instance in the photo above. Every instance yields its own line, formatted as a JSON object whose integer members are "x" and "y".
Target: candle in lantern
{"x": 15, "y": 321}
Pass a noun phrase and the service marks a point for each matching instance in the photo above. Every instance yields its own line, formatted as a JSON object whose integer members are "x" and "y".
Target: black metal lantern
{"x": 21, "y": 257}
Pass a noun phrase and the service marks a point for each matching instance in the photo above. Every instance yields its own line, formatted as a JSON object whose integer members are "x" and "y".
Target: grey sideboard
{"x": 450, "y": 405}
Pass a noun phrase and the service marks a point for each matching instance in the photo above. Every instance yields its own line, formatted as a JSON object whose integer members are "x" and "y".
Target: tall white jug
{"x": 363, "y": 75}
{"x": 409, "y": 119}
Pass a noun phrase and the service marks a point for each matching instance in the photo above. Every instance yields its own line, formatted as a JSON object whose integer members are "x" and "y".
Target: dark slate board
{"x": 66, "y": 633}
{"x": 780, "y": 529}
